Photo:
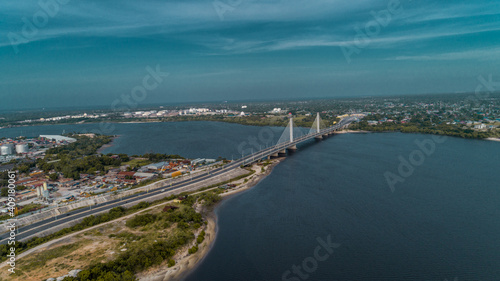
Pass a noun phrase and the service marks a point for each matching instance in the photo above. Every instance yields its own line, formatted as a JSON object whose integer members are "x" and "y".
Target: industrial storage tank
{"x": 7, "y": 149}
{"x": 22, "y": 148}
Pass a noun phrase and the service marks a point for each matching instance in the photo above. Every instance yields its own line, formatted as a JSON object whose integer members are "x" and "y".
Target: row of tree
{"x": 424, "y": 128}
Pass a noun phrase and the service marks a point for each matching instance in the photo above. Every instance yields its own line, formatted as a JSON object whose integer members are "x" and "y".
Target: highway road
{"x": 29, "y": 230}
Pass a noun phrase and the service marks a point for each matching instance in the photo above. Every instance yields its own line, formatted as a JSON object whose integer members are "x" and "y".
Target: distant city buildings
{"x": 65, "y": 117}
{"x": 171, "y": 113}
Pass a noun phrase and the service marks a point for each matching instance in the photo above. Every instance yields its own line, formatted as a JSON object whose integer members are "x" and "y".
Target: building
{"x": 22, "y": 148}
{"x": 58, "y": 138}
{"x": 156, "y": 166}
{"x": 7, "y": 149}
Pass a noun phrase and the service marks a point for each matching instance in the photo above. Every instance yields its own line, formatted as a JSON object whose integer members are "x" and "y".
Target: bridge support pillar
{"x": 318, "y": 137}
{"x": 275, "y": 155}
{"x": 325, "y": 136}
{"x": 282, "y": 152}
{"x": 292, "y": 148}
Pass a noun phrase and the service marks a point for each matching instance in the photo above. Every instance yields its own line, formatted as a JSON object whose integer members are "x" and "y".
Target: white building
{"x": 22, "y": 148}
{"x": 58, "y": 138}
{"x": 7, "y": 149}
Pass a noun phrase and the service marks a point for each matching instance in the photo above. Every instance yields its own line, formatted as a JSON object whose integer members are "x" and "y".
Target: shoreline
{"x": 185, "y": 263}
{"x": 108, "y": 145}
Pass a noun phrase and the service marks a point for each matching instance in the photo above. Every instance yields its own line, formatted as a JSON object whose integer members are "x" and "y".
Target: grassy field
{"x": 137, "y": 162}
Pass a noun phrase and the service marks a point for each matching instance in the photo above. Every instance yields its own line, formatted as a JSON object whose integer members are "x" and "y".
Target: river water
{"x": 441, "y": 223}
{"x": 188, "y": 139}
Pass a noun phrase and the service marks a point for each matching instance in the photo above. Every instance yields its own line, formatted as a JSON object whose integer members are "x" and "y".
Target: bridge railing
{"x": 278, "y": 147}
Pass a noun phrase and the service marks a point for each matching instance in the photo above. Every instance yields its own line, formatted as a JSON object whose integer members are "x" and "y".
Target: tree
{"x": 53, "y": 176}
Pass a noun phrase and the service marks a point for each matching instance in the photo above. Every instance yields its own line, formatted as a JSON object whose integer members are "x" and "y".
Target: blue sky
{"x": 92, "y": 52}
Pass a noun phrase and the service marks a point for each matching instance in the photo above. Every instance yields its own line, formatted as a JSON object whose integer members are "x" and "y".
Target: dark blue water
{"x": 442, "y": 222}
{"x": 188, "y": 139}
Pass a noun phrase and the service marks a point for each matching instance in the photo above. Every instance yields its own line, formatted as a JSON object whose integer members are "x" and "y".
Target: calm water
{"x": 442, "y": 223}
{"x": 188, "y": 139}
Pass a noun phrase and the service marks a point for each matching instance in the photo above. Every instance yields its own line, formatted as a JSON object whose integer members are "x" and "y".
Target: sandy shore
{"x": 493, "y": 139}
{"x": 185, "y": 263}
{"x": 352, "y": 132}
{"x": 140, "y": 122}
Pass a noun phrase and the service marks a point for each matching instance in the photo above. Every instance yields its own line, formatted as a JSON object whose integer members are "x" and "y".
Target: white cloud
{"x": 477, "y": 54}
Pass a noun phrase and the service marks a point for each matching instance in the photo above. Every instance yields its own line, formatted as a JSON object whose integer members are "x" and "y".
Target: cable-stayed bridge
{"x": 291, "y": 137}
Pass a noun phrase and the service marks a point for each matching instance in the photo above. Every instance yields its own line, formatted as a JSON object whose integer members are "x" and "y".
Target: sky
{"x": 124, "y": 53}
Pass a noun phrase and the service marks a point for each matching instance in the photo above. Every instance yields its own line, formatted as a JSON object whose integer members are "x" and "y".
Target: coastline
{"x": 186, "y": 263}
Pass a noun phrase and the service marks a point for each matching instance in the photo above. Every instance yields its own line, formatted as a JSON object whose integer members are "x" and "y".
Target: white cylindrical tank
{"x": 7, "y": 149}
{"x": 22, "y": 148}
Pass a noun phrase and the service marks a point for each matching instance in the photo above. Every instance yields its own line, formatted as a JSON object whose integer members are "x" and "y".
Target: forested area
{"x": 81, "y": 157}
{"x": 419, "y": 123}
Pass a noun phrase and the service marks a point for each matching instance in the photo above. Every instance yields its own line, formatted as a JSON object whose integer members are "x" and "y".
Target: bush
{"x": 186, "y": 215}
{"x": 141, "y": 220}
{"x": 193, "y": 250}
{"x": 139, "y": 206}
{"x": 171, "y": 262}
{"x": 210, "y": 198}
{"x": 201, "y": 237}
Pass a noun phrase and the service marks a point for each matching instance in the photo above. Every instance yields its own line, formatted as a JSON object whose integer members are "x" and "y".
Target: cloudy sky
{"x": 93, "y": 52}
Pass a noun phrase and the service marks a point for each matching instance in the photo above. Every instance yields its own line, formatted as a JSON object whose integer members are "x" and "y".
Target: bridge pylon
{"x": 290, "y": 134}
{"x": 316, "y": 127}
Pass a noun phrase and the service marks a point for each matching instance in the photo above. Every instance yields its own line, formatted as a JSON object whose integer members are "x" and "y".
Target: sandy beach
{"x": 493, "y": 139}
{"x": 352, "y": 132}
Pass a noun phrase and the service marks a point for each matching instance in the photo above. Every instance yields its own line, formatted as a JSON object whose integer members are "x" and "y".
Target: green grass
{"x": 137, "y": 162}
